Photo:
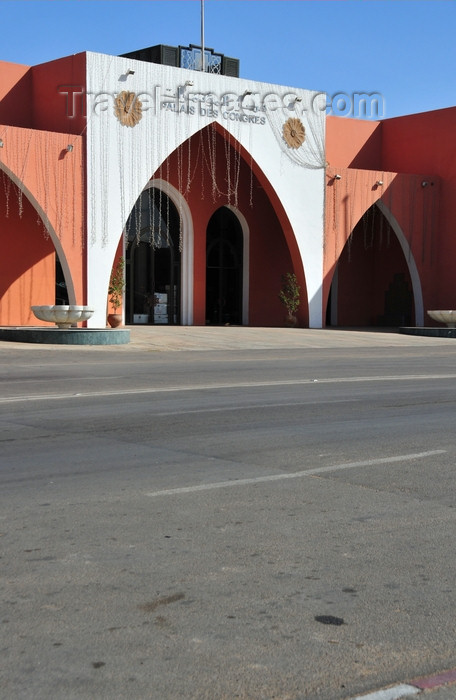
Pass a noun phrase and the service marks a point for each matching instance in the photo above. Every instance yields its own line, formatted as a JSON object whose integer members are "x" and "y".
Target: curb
{"x": 66, "y": 336}
{"x": 413, "y": 687}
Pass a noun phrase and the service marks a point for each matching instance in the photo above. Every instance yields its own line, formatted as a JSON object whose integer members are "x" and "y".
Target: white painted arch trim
{"x": 413, "y": 270}
{"x": 245, "y": 262}
{"x": 187, "y": 246}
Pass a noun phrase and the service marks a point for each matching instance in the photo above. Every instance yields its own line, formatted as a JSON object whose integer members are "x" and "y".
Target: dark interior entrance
{"x": 153, "y": 261}
{"x": 371, "y": 284}
{"x": 61, "y": 292}
{"x": 224, "y": 266}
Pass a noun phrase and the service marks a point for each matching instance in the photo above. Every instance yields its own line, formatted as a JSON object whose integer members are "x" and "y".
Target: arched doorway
{"x": 61, "y": 291}
{"x": 224, "y": 269}
{"x": 372, "y": 284}
{"x": 153, "y": 260}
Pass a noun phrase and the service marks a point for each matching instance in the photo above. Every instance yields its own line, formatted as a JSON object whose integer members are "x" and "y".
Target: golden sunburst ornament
{"x": 294, "y": 132}
{"x": 127, "y": 108}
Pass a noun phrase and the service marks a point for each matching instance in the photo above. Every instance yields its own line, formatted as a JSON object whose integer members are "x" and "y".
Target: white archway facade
{"x": 121, "y": 159}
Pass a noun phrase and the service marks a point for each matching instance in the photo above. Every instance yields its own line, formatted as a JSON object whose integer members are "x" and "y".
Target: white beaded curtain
{"x": 310, "y": 110}
{"x": 122, "y": 158}
{"x": 36, "y": 157}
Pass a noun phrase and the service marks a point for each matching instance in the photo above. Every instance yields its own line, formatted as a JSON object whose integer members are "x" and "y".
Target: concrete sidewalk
{"x": 223, "y": 338}
{"x": 173, "y": 338}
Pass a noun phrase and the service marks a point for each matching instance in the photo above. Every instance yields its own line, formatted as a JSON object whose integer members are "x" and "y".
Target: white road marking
{"x": 212, "y": 387}
{"x": 294, "y": 475}
{"x": 248, "y": 407}
{"x": 398, "y": 691}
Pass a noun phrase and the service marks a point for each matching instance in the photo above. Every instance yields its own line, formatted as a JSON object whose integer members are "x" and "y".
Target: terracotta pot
{"x": 115, "y": 320}
{"x": 291, "y": 321}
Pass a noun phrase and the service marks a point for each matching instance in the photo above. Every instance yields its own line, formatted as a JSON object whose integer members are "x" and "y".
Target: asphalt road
{"x": 226, "y": 524}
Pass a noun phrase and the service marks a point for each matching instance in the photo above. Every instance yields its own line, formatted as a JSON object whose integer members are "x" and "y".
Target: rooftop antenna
{"x": 202, "y": 36}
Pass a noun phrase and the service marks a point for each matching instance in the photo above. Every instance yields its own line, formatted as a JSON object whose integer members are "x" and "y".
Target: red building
{"x": 212, "y": 187}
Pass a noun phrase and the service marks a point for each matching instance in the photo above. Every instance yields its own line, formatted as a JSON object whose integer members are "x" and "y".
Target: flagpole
{"x": 202, "y": 36}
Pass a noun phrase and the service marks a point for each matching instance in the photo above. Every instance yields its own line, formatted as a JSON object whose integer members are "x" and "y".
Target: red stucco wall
{"x": 369, "y": 265}
{"x": 15, "y": 94}
{"x": 52, "y": 109}
{"x": 34, "y": 158}
{"x": 54, "y": 178}
{"x": 403, "y": 153}
{"x": 27, "y": 266}
{"x": 352, "y": 143}
{"x": 426, "y": 143}
{"x": 35, "y": 96}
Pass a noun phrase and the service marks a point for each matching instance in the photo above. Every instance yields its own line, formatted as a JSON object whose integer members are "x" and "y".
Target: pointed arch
{"x": 246, "y": 262}
{"x": 49, "y": 228}
{"x": 288, "y": 232}
{"x": 259, "y": 231}
{"x": 207, "y": 187}
{"x": 413, "y": 270}
{"x": 186, "y": 224}
{"x": 332, "y": 313}
{"x": 226, "y": 268}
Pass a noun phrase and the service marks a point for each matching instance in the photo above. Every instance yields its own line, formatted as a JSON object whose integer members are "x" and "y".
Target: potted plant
{"x": 290, "y": 296}
{"x": 115, "y": 292}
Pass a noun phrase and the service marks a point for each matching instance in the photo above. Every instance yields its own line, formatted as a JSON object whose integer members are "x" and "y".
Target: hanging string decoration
{"x": 302, "y": 137}
{"x": 36, "y": 167}
{"x": 7, "y": 190}
{"x": 202, "y": 134}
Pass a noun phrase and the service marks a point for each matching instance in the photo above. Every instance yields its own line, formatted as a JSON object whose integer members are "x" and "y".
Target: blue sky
{"x": 403, "y": 49}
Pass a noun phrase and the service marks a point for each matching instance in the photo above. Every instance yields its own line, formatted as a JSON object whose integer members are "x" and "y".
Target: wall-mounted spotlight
{"x": 1, "y": 143}
{"x": 130, "y": 71}
{"x": 70, "y": 147}
{"x": 425, "y": 183}
{"x": 337, "y": 177}
{"x": 298, "y": 99}
{"x": 379, "y": 183}
{"x": 247, "y": 92}
{"x": 189, "y": 83}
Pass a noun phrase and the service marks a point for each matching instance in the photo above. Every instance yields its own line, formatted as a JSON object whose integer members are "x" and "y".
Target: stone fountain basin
{"x": 442, "y": 316}
{"x": 64, "y": 316}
